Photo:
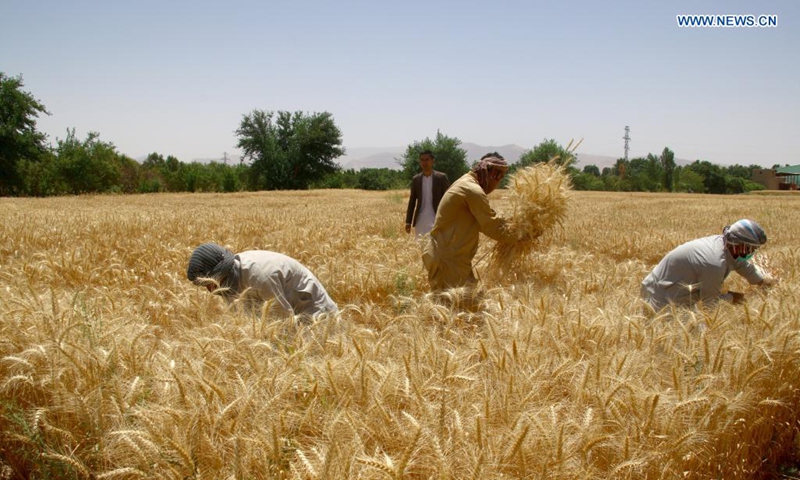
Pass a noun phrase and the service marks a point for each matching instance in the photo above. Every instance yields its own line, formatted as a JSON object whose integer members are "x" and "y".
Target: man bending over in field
{"x": 463, "y": 213}
{"x": 695, "y": 270}
{"x": 258, "y": 276}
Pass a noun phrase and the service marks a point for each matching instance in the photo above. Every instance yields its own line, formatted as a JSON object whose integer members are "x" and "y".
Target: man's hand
{"x": 768, "y": 281}
{"x": 529, "y": 236}
{"x": 738, "y": 297}
{"x": 408, "y": 228}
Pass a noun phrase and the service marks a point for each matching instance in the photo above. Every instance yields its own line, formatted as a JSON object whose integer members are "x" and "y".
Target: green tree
{"x": 40, "y": 177}
{"x": 340, "y": 179}
{"x": 151, "y": 174}
{"x": 224, "y": 178}
{"x": 88, "y": 166}
{"x": 741, "y": 185}
{"x": 714, "y": 178}
{"x": 586, "y": 181}
{"x": 612, "y": 183}
{"x": 634, "y": 175}
{"x": 668, "y": 165}
{"x": 653, "y": 174}
{"x": 448, "y": 156}
{"x": 171, "y": 174}
{"x": 129, "y": 174}
{"x": 19, "y": 139}
{"x": 591, "y": 170}
{"x": 741, "y": 171}
{"x": 289, "y": 151}
{"x": 644, "y": 174}
{"x": 153, "y": 160}
{"x": 546, "y": 151}
{"x": 380, "y": 179}
{"x": 258, "y": 138}
{"x": 230, "y": 181}
{"x": 687, "y": 180}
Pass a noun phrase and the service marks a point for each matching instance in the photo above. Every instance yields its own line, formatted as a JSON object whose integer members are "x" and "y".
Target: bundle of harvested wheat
{"x": 539, "y": 195}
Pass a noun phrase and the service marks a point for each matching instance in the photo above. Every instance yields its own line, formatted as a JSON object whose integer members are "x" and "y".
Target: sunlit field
{"x": 113, "y": 365}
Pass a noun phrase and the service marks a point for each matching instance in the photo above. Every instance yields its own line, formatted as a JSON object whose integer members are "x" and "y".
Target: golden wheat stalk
{"x": 539, "y": 198}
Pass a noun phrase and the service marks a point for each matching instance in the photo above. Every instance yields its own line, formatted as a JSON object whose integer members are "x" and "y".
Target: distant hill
{"x": 510, "y": 152}
{"x": 376, "y": 157}
{"x": 380, "y": 159}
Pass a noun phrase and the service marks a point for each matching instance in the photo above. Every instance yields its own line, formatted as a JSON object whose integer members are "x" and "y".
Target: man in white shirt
{"x": 258, "y": 276}
{"x": 427, "y": 190}
{"x": 695, "y": 271}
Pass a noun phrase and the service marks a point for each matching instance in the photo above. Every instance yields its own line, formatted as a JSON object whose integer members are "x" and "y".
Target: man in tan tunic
{"x": 463, "y": 213}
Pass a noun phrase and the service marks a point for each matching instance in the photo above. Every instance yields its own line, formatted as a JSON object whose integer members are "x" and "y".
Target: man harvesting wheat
{"x": 696, "y": 270}
{"x": 463, "y": 213}
{"x": 259, "y": 276}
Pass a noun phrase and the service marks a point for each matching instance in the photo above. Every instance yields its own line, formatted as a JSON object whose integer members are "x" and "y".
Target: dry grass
{"x": 113, "y": 365}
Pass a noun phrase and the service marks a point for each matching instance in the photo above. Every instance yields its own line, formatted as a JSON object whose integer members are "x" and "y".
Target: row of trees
{"x": 76, "y": 166}
{"x": 654, "y": 173}
{"x": 659, "y": 173}
{"x": 288, "y": 151}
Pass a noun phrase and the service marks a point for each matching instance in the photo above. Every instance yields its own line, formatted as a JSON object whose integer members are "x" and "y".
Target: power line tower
{"x": 225, "y": 156}
{"x": 627, "y": 139}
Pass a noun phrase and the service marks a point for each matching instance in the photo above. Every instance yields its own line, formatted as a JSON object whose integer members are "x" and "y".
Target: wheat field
{"x": 113, "y": 365}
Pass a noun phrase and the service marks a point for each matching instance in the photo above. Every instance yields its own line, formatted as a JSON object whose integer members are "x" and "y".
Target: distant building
{"x": 784, "y": 178}
{"x": 766, "y": 177}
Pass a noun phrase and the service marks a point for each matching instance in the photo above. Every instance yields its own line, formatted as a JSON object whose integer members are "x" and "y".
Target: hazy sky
{"x": 176, "y": 77}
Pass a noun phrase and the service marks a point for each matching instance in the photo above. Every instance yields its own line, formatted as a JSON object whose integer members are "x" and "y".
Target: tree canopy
{"x": 19, "y": 138}
{"x": 668, "y": 164}
{"x": 88, "y": 166}
{"x": 448, "y": 156}
{"x": 544, "y": 152}
{"x": 289, "y": 151}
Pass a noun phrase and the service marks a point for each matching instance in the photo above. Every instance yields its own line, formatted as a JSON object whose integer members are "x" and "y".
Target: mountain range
{"x": 387, "y": 157}
{"x": 358, "y": 158}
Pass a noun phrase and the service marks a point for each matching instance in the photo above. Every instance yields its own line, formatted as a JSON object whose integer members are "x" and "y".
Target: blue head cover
{"x": 745, "y": 232}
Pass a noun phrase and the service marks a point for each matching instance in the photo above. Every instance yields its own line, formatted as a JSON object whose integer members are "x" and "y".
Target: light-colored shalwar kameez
{"x": 695, "y": 272}
{"x": 426, "y": 213}
{"x": 267, "y": 276}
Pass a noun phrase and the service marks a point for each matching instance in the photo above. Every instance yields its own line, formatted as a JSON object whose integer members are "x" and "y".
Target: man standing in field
{"x": 695, "y": 271}
{"x": 427, "y": 189}
{"x": 259, "y": 276}
{"x": 464, "y": 213}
